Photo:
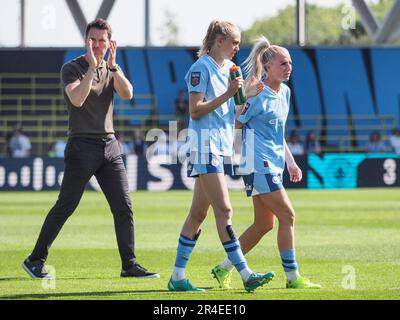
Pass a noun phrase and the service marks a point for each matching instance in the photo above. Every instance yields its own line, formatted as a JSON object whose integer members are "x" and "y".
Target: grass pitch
{"x": 346, "y": 240}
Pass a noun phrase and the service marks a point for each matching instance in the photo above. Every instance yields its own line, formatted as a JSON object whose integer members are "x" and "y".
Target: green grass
{"x": 334, "y": 229}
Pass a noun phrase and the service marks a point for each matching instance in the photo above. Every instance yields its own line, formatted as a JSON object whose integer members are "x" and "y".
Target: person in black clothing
{"x": 139, "y": 145}
{"x": 312, "y": 144}
{"x": 89, "y": 83}
{"x": 181, "y": 110}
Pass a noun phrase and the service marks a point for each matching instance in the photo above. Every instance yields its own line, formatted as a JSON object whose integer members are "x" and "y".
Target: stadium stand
{"x": 341, "y": 94}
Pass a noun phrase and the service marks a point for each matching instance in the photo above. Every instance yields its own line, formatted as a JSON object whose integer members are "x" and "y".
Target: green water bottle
{"x": 240, "y": 95}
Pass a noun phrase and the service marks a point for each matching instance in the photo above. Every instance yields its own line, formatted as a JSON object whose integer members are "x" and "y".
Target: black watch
{"x": 115, "y": 69}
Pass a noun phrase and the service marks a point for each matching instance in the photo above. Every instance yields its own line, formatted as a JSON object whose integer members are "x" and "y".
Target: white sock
{"x": 292, "y": 275}
{"x": 246, "y": 273}
{"x": 227, "y": 264}
{"x": 178, "y": 274}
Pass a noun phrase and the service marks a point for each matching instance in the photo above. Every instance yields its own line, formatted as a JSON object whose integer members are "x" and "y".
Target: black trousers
{"x": 84, "y": 158}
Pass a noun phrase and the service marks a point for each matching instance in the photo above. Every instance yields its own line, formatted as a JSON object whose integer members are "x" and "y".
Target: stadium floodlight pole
{"x": 22, "y": 24}
{"x": 79, "y": 16}
{"x": 105, "y": 9}
{"x": 147, "y": 41}
{"x": 301, "y": 21}
{"x": 380, "y": 33}
{"x": 390, "y": 28}
{"x": 367, "y": 18}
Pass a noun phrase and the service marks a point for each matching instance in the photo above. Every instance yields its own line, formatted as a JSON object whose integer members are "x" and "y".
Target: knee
{"x": 63, "y": 208}
{"x": 224, "y": 213}
{"x": 121, "y": 207}
{"x": 124, "y": 214}
{"x": 288, "y": 217}
{"x": 198, "y": 215}
{"x": 264, "y": 228}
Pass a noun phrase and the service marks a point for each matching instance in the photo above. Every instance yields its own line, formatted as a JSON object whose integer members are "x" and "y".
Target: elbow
{"x": 195, "y": 111}
{"x": 74, "y": 100}
{"x": 238, "y": 125}
{"x": 76, "y": 103}
{"x": 128, "y": 95}
{"x": 194, "y": 116}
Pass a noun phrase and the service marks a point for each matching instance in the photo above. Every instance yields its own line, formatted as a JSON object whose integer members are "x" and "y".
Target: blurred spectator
{"x": 375, "y": 143}
{"x": 50, "y": 150}
{"x": 56, "y": 150}
{"x": 20, "y": 145}
{"x": 8, "y": 138}
{"x": 59, "y": 148}
{"x": 127, "y": 147}
{"x": 139, "y": 145}
{"x": 161, "y": 147}
{"x": 294, "y": 144}
{"x": 395, "y": 140}
{"x": 181, "y": 110}
{"x": 312, "y": 144}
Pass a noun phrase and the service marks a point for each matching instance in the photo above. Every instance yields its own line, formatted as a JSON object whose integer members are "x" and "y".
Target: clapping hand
{"x": 112, "y": 54}
{"x": 91, "y": 58}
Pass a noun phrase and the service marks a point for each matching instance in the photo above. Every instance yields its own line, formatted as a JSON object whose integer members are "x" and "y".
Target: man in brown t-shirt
{"x": 89, "y": 83}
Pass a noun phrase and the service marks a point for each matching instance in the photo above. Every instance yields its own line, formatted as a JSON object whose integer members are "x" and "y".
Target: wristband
{"x": 115, "y": 69}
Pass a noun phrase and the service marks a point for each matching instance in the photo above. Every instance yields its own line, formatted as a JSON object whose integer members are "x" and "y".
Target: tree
{"x": 324, "y": 26}
{"x": 279, "y": 28}
{"x": 169, "y": 32}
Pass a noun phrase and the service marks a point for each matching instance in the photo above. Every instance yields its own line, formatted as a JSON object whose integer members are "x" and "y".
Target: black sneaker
{"x": 35, "y": 269}
{"x": 137, "y": 271}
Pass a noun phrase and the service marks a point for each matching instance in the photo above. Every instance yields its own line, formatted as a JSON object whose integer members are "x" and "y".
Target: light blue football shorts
{"x": 203, "y": 163}
{"x": 256, "y": 183}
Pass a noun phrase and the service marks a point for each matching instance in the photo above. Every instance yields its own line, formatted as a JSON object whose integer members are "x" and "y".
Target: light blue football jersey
{"x": 212, "y": 133}
{"x": 264, "y": 118}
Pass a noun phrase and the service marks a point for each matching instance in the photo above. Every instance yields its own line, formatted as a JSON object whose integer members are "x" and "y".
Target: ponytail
{"x": 261, "y": 54}
{"x": 253, "y": 65}
{"x": 223, "y": 28}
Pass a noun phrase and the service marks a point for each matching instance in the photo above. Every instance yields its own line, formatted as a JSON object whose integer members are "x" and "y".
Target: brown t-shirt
{"x": 95, "y": 117}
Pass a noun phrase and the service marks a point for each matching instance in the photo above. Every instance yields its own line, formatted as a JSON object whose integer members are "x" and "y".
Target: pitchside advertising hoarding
{"x": 328, "y": 171}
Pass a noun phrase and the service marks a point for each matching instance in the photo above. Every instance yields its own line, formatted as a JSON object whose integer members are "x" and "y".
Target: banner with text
{"x": 327, "y": 171}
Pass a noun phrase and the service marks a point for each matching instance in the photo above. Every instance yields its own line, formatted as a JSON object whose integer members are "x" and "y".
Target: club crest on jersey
{"x": 246, "y": 107}
{"x": 195, "y": 78}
